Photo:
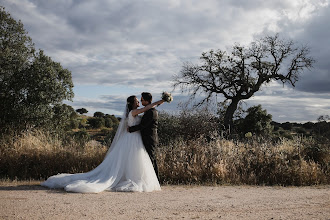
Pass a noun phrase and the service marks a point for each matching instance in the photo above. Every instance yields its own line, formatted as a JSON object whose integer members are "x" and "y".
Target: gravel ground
{"x": 28, "y": 200}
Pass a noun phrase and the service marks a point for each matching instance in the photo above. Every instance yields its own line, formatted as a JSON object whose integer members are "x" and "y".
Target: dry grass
{"x": 229, "y": 162}
{"x": 15, "y": 182}
{"x": 37, "y": 155}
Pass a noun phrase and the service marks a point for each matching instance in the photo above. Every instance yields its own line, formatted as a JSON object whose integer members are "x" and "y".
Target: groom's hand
{"x": 134, "y": 128}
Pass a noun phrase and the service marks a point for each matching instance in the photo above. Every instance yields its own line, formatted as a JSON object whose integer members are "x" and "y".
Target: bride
{"x": 126, "y": 166}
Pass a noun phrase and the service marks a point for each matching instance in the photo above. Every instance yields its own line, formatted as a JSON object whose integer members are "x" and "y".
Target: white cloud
{"x": 288, "y": 104}
{"x": 142, "y": 44}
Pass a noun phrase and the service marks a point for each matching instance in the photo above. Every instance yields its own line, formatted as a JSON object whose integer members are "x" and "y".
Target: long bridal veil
{"x": 121, "y": 130}
{"x": 126, "y": 166}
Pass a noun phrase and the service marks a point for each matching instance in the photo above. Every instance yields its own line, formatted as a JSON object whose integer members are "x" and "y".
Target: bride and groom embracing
{"x": 130, "y": 163}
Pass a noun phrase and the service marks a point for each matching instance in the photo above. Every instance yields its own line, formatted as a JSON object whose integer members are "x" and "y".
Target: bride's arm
{"x": 135, "y": 112}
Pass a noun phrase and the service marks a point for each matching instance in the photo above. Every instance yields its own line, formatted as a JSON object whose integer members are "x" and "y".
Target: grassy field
{"x": 37, "y": 155}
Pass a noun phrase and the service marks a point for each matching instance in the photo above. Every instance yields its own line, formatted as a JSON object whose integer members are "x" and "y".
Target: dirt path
{"x": 28, "y": 200}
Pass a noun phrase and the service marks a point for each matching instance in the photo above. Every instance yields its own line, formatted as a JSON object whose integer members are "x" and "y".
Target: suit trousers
{"x": 150, "y": 148}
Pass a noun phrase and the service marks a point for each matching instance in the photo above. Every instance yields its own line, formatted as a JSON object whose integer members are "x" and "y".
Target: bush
{"x": 98, "y": 114}
{"x": 256, "y": 121}
{"x": 96, "y": 122}
{"x": 81, "y": 136}
{"x": 308, "y": 125}
{"x": 301, "y": 131}
{"x": 82, "y": 122}
{"x": 188, "y": 125}
{"x": 110, "y": 134}
{"x": 74, "y": 124}
{"x": 286, "y": 126}
{"x": 113, "y": 118}
{"x": 108, "y": 122}
{"x": 168, "y": 127}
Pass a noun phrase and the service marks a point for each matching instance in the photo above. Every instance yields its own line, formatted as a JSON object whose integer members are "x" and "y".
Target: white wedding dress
{"x": 126, "y": 167}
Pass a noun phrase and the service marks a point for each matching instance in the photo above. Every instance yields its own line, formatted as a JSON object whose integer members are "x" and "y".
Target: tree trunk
{"x": 228, "y": 120}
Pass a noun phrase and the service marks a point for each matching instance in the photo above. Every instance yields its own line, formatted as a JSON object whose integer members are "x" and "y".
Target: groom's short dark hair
{"x": 146, "y": 96}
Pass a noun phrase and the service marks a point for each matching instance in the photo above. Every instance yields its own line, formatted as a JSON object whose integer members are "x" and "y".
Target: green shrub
{"x": 74, "y": 124}
{"x": 96, "y": 122}
{"x": 81, "y": 137}
{"x": 257, "y": 121}
{"x": 188, "y": 125}
{"x": 82, "y": 122}
{"x": 98, "y": 114}
{"x": 108, "y": 122}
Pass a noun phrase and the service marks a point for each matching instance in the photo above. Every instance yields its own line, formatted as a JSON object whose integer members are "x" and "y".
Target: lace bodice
{"x": 132, "y": 121}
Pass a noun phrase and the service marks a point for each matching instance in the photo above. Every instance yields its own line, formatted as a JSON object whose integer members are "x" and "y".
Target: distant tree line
{"x": 254, "y": 122}
{"x": 318, "y": 129}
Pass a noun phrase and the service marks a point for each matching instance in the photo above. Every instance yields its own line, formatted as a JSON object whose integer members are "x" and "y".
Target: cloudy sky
{"x": 116, "y": 48}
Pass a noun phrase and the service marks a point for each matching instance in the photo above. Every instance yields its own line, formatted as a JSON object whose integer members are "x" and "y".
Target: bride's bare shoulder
{"x": 134, "y": 112}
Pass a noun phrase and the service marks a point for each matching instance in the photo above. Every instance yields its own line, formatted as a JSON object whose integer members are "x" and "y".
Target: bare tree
{"x": 238, "y": 75}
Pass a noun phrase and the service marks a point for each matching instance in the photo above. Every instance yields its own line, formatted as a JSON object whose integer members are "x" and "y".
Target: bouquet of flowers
{"x": 167, "y": 97}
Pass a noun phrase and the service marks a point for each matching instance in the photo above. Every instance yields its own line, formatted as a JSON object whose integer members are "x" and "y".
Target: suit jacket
{"x": 148, "y": 128}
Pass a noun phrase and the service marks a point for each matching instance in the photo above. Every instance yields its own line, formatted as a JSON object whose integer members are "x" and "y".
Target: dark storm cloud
{"x": 314, "y": 33}
{"x": 315, "y": 82}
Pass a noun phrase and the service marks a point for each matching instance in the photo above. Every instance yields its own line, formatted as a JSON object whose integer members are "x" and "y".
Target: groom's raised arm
{"x": 146, "y": 121}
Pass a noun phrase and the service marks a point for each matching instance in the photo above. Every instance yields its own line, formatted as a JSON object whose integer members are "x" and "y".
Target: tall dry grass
{"x": 229, "y": 162}
{"x": 38, "y": 155}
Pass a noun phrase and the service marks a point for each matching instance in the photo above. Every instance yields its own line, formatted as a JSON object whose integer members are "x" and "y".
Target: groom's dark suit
{"x": 148, "y": 128}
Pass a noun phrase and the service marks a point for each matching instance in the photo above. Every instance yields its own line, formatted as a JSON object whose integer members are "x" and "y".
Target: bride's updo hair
{"x": 130, "y": 103}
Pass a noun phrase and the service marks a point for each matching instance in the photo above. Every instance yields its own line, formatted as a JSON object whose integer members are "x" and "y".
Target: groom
{"x": 148, "y": 128}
